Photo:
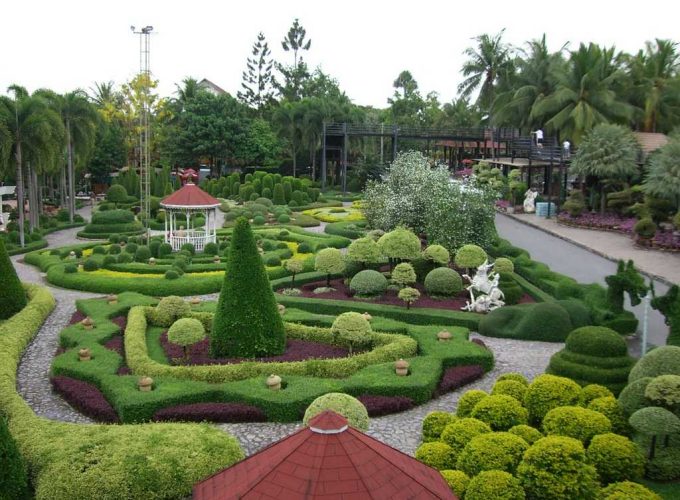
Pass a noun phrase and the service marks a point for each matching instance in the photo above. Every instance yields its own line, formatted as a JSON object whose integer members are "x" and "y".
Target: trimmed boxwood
{"x": 12, "y": 295}
{"x": 443, "y": 282}
{"x": 545, "y": 321}
{"x": 368, "y": 283}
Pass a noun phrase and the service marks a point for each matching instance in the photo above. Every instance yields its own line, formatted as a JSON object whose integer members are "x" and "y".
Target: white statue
{"x": 489, "y": 296}
{"x": 529, "y": 199}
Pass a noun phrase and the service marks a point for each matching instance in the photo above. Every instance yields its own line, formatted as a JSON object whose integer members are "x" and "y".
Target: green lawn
{"x": 668, "y": 491}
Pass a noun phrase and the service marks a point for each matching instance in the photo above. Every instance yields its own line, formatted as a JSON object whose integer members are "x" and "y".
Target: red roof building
{"x": 189, "y": 196}
{"x": 327, "y": 460}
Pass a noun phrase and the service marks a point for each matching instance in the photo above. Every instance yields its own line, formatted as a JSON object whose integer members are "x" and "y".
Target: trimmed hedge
{"x": 545, "y": 321}
{"x": 12, "y": 295}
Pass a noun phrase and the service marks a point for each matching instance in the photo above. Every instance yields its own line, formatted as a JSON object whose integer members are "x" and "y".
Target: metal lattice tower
{"x": 144, "y": 131}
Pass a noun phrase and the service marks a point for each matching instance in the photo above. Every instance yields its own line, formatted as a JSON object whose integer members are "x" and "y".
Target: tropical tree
{"x": 656, "y": 85}
{"x": 663, "y": 176}
{"x": 187, "y": 91}
{"x": 609, "y": 152}
{"x": 27, "y": 132}
{"x": 585, "y": 94}
{"x": 107, "y": 100}
{"x": 258, "y": 79}
{"x": 487, "y": 64}
{"x": 293, "y": 76}
{"x": 287, "y": 120}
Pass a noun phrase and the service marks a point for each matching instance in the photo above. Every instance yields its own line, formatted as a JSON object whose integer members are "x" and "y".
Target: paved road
{"x": 574, "y": 261}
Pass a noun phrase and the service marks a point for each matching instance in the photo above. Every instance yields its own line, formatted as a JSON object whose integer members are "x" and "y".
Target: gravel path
{"x": 401, "y": 430}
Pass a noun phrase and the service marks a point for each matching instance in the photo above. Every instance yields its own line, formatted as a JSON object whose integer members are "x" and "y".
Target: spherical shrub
{"x": 409, "y": 295}
{"x": 458, "y": 434}
{"x": 210, "y": 249}
{"x": 632, "y": 397}
{"x": 171, "y": 274}
{"x": 653, "y": 421}
{"x": 526, "y": 432}
{"x": 131, "y": 248}
{"x": 364, "y": 250}
{"x": 114, "y": 238}
{"x": 108, "y": 260}
{"x": 593, "y": 391}
{"x": 352, "y": 329}
{"x": 116, "y": 194}
{"x": 596, "y": 341}
{"x": 664, "y": 391}
{"x": 437, "y": 455}
{"x": 305, "y": 247}
{"x": 164, "y": 250}
{"x": 283, "y": 219}
{"x": 645, "y": 228}
{"x": 503, "y": 265}
{"x": 133, "y": 239}
{"x": 403, "y": 274}
{"x": 615, "y": 457}
{"x": 186, "y": 331}
{"x": 443, "y": 282}
{"x": 368, "y": 283}
{"x": 258, "y": 220}
{"x": 70, "y": 268}
{"x": 611, "y": 408}
{"x": 169, "y": 309}
{"x": 457, "y": 481}
{"x": 99, "y": 250}
{"x": 555, "y": 467}
{"x": 492, "y": 451}
{"x": 437, "y": 254}
{"x": 469, "y": 256}
{"x": 114, "y": 249}
{"x": 665, "y": 466}
{"x": 434, "y": 423}
{"x": 344, "y": 404}
{"x": 510, "y": 388}
{"x": 494, "y": 485}
{"x": 143, "y": 254}
{"x": 189, "y": 247}
{"x": 399, "y": 243}
{"x": 125, "y": 258}
{"x": 91, "y": 265}
{"x": 663, "y": 360}
{"x": 576, "y": 422}
{"x": 500, "y": 412}
{"x": 518, "y": 377}
{"x": 468, "y": 401}
{"x": 627, "y": 490}
{"x": 547, "y": 392}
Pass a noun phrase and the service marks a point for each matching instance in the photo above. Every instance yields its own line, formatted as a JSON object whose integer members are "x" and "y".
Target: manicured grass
{"x": 668, "y": 491}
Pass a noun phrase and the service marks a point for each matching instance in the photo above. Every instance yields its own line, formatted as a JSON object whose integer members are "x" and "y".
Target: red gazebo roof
{"x": 189, "y": 196}
{"x": 327, "y": 460}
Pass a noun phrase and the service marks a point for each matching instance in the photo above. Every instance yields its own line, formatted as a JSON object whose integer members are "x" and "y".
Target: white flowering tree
{"x": 422, "y": 197}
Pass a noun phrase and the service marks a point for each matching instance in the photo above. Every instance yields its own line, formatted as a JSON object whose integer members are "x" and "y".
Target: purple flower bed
{"x": 385, "y": 405}
{"x": 76, "y": 318}
{"x": 458, "y": 376}
{"x": 214, "y": 412}
{"x": 116, "y": 345}
{"x": 504, "y": 204}
{"x": 296, "y": 350}
{"x": 124, "y": 370}
{"x": 612, "y": 222}
{"x": 85, "y": 398}
{"x": 667, "y": 239}
{"x": 120, "y": 321}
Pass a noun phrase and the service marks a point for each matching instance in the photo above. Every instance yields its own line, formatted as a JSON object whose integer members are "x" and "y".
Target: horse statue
{"x": 481, "y": 282}
{"x": 489, "y": 296}
{"x": 529, "y": 201}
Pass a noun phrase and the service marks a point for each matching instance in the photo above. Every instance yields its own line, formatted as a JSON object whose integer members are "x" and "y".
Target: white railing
{"x": 197, "y": 238}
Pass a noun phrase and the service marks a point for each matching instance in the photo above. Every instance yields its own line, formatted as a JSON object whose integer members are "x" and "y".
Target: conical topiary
{"x": 12, "y": 295}
{"x": 13, "y": 477}
{"x": 247, "y": 321}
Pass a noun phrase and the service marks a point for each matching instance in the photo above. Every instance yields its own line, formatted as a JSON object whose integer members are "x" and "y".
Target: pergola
{"x": 179, "y": 207}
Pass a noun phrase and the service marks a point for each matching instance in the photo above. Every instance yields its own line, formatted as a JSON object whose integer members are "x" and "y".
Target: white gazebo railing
{"x": 197, "y": 238}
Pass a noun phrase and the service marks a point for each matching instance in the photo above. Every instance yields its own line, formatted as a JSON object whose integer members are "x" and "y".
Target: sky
{"x": 68, "y": 44}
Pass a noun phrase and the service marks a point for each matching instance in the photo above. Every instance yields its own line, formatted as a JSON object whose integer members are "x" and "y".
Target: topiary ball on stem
{"x": 247, "y": 322}
{"x": 470, "y": 256}
{"x": 351, "y": 328}
{"x": 344, "y": 404}
{"x": 185, "y": 332}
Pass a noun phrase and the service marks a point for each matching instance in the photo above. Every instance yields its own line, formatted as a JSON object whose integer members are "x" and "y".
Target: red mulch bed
{"x": 85, "y": 397}
{"x": 116, "y": 345}
{"x": 76, "y": 318}
{"x": 342, "y": 292}
{"x": 296, "y": 350}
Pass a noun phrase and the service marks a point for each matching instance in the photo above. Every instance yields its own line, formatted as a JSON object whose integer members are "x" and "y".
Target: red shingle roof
{"x": 327, "y": 460}
{"x": 190, "y": 195}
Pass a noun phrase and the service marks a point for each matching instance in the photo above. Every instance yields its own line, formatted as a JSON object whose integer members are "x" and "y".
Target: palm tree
{"x": 107, "y": 99}
{"x": 532, "y": 83}
{"x": 656, "y": 84}
{"x": 487, "y": 64}
{"x": 188, "y": 90}
{"x": 585, "y": 94}
{"x": 287, "y": 119}
{"x": 31, "y": 127}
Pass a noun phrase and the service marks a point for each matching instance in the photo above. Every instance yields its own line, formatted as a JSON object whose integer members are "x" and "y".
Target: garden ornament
{"x": 529, "y": 201}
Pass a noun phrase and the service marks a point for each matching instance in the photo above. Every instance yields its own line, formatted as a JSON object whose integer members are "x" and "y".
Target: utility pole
{"x": 144, "y": 132}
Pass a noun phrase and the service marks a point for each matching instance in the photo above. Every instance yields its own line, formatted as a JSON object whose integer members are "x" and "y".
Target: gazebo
{"x": 326, "y": 460}
{"x": 179, "y": 208}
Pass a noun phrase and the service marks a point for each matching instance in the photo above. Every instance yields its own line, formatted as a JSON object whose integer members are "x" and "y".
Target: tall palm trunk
{"x": 20, "y": 191}
{"x": 38, "y": 198}
{"x": 71, "y": 174}
{"x": 31, "y": 197}
{"x": 62, "y": 188}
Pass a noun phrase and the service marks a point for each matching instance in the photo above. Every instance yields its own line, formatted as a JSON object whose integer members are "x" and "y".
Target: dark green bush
{"x": 99, "y": 250}
{"x": 12, "y": 295}
{"x": 443, "y": 282}
{"x": 596, "y": 341}
{"x": 171, "y": 274}
{"x": 143, "y": 254}
{"x": 273, "y": 261}
{"x": 112, "y": 217}
{"x": 108, "y": 260}
{"x": 70, "y": 268}
{"x": 512, "y": 292}
{"x": 283, "y": 219}
{"x": 210, "y": 249}
{"x": 13, "y": 475}
{"x": 663, "y": 360}
{"x": 188, "y": 247}
{"x": 632, "y": 397}
{"x": 154, "y": 246}
{"x": 645, "y": 228}
{"x": 544, "y": 321}
{"x": 247, "y": 322}
{"x": 304, "y": 247}
{"x": 114, "y": 249}
{"x": 164, "y": 250}
{"x": 131, "y": 247}
{"x": 125, "y": 258}
{"x": 91, "y": 265}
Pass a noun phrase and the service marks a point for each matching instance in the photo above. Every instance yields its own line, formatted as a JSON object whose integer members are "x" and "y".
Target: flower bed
{"x": 215, "y": 412}
{"x": 608, "y": 222}
{"x": 85, "y": 398}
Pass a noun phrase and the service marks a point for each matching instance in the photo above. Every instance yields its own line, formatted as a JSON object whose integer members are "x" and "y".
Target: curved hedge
{"x": 101, "y": 461}
{"x": 546, "y": 321}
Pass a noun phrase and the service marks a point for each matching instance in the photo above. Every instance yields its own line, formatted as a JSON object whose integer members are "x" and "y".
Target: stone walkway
{"x": 400, "y": 430}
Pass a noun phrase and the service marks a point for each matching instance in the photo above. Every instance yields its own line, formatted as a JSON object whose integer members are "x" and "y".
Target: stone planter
{"x": 112, "y": 299}
{"x": 152, "y": 261}
{"x": 282, "y": 309}
{"x": 84, "y": 354}
{"x": 274, "y": 382}
{"x": 401, "y": 367}
{"x": 87, "y": 323}
{"x": 444, "y": 336}
{"x": 195, "y": 301}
